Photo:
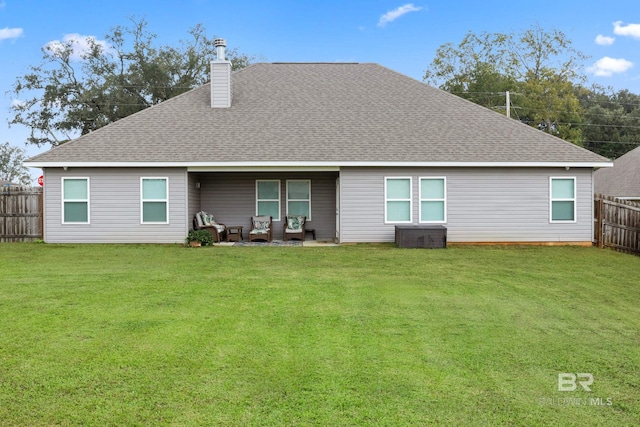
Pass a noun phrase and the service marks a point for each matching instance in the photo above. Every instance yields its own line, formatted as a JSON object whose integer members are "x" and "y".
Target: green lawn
{"x": 353, "y": 335}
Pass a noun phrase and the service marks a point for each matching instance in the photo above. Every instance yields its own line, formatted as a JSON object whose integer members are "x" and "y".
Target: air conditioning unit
{"x": 421, "y": 236}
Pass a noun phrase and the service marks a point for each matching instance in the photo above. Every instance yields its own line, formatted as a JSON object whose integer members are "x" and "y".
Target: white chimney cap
{"x": 220, "y": 44}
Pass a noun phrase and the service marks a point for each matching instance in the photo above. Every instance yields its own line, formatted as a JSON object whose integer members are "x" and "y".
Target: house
{"x": 623, "y": 180}
{"x": 357, "y": 147}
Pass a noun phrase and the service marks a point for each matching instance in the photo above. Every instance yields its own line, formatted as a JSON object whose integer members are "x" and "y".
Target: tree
{"x": 540, "y": 68}
{"x": 75, "y": 92}
{"x": 11, "y": 167}
{"x": 612, "y": 120}
{"x": 483, "y": 85}
{"x": 548, "y": 102}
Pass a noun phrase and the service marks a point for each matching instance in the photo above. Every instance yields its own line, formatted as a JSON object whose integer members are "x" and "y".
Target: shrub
{"x": 202, "y": 236}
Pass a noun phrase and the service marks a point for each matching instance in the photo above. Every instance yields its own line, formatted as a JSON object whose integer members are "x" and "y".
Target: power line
{"x": 588, "y": 101}
{"x": 612, "y": 142}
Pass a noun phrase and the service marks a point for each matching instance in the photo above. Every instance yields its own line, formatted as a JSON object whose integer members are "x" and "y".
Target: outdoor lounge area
{"x": 262, "y": 207}
{"x": 260, "y": 232}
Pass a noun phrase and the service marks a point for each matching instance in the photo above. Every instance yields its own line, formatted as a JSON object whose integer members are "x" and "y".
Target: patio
{"x": 280, "y": 243}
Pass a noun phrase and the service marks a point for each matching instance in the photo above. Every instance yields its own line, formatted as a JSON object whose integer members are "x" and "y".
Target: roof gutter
{"x": 207, "y": 166}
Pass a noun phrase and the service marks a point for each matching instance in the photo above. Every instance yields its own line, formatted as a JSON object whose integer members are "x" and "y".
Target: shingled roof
{"x": 623, "y": 180}
{"x": 318, "y": 114}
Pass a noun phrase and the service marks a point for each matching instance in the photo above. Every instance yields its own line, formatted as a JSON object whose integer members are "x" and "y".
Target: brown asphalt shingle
{"x": 319, "y": 112}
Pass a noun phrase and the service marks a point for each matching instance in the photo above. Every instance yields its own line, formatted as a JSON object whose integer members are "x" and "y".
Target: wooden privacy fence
{"x": 617, "y": 224}
{"x": 20, "y": 213}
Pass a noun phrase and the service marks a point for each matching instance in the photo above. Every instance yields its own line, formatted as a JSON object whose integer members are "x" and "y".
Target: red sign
{"x": 41, "y": 180}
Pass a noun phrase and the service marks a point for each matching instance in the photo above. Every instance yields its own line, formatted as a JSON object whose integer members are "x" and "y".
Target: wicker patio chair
{"x": 205, "y": 221}
{"x": 294, "y": 227}
{"x": 260, "y": 228}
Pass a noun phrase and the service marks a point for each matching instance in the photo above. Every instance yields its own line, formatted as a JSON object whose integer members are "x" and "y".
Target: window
{"x": 299, "y": 197}
{"x": 268, "y": 198}
{"x": 563, "y": 199}
{"x": 75, "y": 200}
{"x": 397, "y": 195}
{"x": 433, "y": 200}
{"x": 154, "y": 201}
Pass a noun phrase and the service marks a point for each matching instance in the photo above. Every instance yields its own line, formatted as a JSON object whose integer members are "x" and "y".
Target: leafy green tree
{"x": 71, "y": 93}
{"x": 483, "y": 85}
{"x": 612, "y": 120}
{"x": 548, "y": 102}
{"x": 540, "y": 67}
{"x": 11, "y": 167}
{"x": 459, "y": 67}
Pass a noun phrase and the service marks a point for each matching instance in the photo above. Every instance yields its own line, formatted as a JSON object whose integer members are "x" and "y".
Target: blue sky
{"x": 400, "y": 35}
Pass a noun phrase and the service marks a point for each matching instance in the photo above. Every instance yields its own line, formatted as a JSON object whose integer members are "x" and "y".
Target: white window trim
{"x": 63, "y": 179}
{"x": 410, "y": 199}
{"x": 166, "y": 200}
{"x": 574, "y": 200}
{"x": 308, "y": 181}
{"x": 269, "y": 200}
{"x": 421, "y": 199}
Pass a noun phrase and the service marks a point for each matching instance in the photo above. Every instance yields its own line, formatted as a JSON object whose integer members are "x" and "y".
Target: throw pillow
{"x": 260, "y": 225}
{"x": 294, "y": 222}
{"x": 208, "y": 219}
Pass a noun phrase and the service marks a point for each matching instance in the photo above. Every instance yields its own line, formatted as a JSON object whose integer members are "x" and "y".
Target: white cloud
{"x": 604, "y": 40}
{"x": 632, "y": 30}
{"x": 606, "y": 67}
{"x": 17, "y": 103}
{"x": 394, "y": 14}
{"x": 10, "y": 33}
{"x": 80, "y": 44}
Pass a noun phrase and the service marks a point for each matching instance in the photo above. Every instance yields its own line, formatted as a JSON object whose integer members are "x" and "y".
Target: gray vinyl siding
{"x": 231, "y": 198}
{"x": 483, "y": 204}
{"x": 115, "y": 207}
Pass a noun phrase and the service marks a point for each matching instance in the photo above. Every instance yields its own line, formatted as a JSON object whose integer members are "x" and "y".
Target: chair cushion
{"x": 291, "y": 230}
{"x": 257, "y": 231}
{"x": 199, "y": 219}
{"x": 295, "y": 222}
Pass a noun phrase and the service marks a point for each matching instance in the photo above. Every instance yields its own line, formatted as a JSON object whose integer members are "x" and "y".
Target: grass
{"x": 355, "y": 335}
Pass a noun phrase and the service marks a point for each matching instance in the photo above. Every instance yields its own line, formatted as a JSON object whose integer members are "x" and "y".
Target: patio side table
{"x": 234, "y": 233}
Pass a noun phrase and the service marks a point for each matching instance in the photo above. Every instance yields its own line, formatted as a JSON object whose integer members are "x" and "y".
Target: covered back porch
{"x": 233, "y": 197}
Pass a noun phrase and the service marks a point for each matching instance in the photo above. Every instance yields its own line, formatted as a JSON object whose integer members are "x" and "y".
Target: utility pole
{"x": 508, "y": 105}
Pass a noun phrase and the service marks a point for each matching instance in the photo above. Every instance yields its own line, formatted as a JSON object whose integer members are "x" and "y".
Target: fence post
{"x": 599, "y": 221}
{"x": 41, "y": 210}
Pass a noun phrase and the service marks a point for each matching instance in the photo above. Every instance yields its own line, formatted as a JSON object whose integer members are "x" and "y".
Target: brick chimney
{"x": 220, "y": 77}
